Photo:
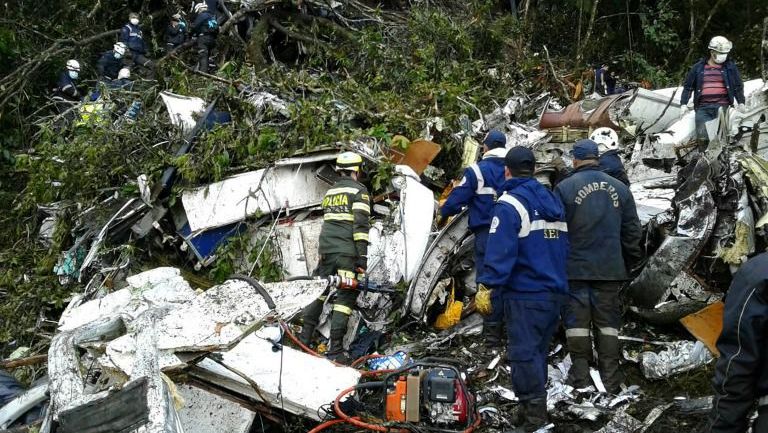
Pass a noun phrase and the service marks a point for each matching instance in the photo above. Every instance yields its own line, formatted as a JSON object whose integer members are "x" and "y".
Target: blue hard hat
{"x": 494, "y": 139}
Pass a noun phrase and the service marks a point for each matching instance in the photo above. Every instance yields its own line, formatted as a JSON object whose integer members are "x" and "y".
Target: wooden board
{"x": 418, "y": 155}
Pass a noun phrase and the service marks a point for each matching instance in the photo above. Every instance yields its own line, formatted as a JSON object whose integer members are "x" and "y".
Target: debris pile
{"x": 146, "y": 350}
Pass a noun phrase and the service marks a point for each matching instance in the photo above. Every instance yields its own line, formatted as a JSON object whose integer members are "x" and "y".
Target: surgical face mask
{"x": 720, "y": 58}
{"x": 118, "y": 55}
{"x": 135, "y": 21}
{"x": 73, "y": 75}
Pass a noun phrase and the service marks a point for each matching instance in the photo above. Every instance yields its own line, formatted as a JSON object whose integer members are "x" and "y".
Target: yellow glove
{"x": 483, "y": 300}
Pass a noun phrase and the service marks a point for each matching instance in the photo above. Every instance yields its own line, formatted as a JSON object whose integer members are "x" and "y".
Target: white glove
{"x": 741, "y": 108}
{"x": 684, "y": 110}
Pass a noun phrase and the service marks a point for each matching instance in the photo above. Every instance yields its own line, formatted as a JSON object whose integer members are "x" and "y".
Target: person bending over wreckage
{"x": 343, "y": 250}
{"x": 525, "y": 261}
{"x": 741, "y": 372}
{"x": 478, "y": 189}
{"x": 604, "y": 232}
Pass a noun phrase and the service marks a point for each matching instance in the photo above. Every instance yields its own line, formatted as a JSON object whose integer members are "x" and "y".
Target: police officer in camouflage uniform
{"x": 343, "y": 248}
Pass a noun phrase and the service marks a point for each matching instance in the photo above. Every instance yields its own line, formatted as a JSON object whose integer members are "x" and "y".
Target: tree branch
{"x": 554, "y": 74}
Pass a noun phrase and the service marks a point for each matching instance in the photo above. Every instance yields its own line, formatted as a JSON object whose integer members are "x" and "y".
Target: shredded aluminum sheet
{"x": 679, "y": 357}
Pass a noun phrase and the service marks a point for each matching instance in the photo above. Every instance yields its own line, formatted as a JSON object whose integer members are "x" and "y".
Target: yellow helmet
{"x": 349, "y": 161}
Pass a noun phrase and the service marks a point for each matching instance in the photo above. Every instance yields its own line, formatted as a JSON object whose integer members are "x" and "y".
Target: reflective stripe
{"x": 321, "y": 298}
{"x": 481, "y": 188}
{"x": 613, "y": 332}
{"x": 577, "y": 332}
{"x": 345, "y": 273}
{"x": 338, "y": 217}
{"x": 763, "y": 401}
{"x": 365, "y": 197}
{"x": 342, "y": 190}
{"x": 342, "y": 309}
{"x": 542, "y": 225}
{"x": 525, "y": 220}
{"x": 361, "y": 206}
{"x": 360, "y": 237}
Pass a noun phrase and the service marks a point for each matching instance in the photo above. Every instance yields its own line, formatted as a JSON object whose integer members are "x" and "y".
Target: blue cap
{"x": 494, "y": 139}
{"x": 585, "y": 149}
{"x": 520, "y": 159}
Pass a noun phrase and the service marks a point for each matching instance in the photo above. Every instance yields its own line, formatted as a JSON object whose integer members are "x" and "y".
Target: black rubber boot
{"x": 532, "y": 415}
{"x": 311, "y": 318}
{"x": 608, "y": 363}
{"x": 493, "y": 333}
{"x": 578, "y": 375}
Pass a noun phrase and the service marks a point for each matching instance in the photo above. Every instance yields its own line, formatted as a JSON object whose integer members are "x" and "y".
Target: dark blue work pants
{"x": 530, "y": 328}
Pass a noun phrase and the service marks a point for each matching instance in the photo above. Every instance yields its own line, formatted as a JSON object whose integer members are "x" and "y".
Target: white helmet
{"x": 606, "y": 139}
{"x": 124, "y": 73}
{"x": 201, "y": 7}
{"x": 73, "y": 65}
{"x": 720, "y": 44}
{"x": 120, "y": 48}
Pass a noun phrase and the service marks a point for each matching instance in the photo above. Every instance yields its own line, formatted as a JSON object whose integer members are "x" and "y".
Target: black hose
{"x": 300, "y": 278}
{"x": 259, "y": 288}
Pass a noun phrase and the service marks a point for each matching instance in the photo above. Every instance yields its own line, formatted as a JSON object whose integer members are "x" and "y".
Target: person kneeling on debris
{"x": 604, "y": 232}
{"x": 205, "y": 28}
{"x": 741, "y": 372}
{"x": 478, "y": 190}
{"x": 525, "y": 261}
{"x": 343, "y": 248}
{"x": 66, "y": 86}
{"x": 610, "y": 162}
{"x": 111, "y": 62}
{"x": 715, "y": 82}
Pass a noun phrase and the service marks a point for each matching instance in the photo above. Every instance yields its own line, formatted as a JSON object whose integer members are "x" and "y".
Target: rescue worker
{"x": 605, "y": 83}
{"x": 205, "y": 28}
{"x": 713, "y": 83}
{"x": 608, "y": 145}
{"x": 111, "y": 62}
{"x": 741, "y": 371}
{"x": 123, "y": 80}
{"x": 66, "y": 86}
{"x": 176, "y": 33}
{"x": 525, "y": 262}
{"x": 478, "y": 190}
{"x": 343, "y": 248}
{"x": 132, "y": 36}
{"x": 604, "y": 232}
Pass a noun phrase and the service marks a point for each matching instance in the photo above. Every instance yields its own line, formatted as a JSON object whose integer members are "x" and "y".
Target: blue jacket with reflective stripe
{"x": 527, "y": 245}
{"x": 478, "y": 189}
{"x": 133, "y": 37}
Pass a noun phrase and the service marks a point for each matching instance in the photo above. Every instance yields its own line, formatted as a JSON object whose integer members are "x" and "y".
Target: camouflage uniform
{"x": 343, "y": 249}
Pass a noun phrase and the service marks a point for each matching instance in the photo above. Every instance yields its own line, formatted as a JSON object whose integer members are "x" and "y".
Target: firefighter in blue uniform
{"x": 66, "y": 86}
{"x": 478, "y": 190}
{"x": 610, "y": 161}
{"x": 604, "y": 233}
{"x": 741, "y": 372}
{"x": 525, "y": 262}
{"x": 205, "y": 28}
{"x": 132, "y": 36}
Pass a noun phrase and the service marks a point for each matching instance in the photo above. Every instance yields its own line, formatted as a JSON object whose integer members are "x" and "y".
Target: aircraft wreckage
{"x": 152, "y": 354}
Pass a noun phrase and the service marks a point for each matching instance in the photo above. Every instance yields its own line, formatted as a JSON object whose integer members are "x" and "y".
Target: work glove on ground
{"x": 483, "y": 300}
